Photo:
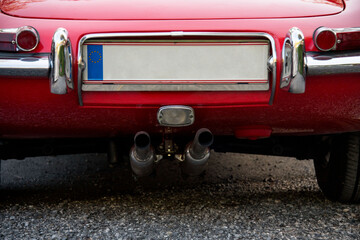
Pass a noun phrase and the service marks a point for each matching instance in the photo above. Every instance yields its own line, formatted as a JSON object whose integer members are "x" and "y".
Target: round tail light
{"x": 27, "y": 38}
{"x": 325, "y": 39}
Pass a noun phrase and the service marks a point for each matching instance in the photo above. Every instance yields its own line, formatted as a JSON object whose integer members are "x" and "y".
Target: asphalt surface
{"x": 239, "y": 197}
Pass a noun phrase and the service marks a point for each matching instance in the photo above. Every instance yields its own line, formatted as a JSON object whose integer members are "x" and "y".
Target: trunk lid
{"x": 167, "y": 10}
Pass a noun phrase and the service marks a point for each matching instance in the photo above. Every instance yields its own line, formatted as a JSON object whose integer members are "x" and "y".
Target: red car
{"x": 268, "y": 77}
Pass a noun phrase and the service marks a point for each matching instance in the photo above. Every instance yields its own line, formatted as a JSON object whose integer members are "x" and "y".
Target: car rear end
{"x": 175, "y": 76}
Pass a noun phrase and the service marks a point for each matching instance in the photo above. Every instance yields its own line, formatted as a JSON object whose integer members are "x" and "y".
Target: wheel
{"x": 0, "y": 172}
{"x": 338, "y": 168}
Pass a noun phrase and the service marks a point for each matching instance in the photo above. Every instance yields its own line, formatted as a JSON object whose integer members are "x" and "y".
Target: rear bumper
{"x": 41, "y": 65}
{"x": 25, "y": 66}
{"x": 332, "y": 63}
{"x": 57, "y": 66}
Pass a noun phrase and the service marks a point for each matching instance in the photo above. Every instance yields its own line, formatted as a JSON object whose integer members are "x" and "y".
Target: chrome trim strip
{"x": 61, "y": 71}
{"x": 318, "y": 63}
{"x": 346, "y": 30}
{"x": 8, "y": 30}
{"x": 177, "y": 34}
{"x": 175, "y": 87}
{"x": 295, "y": 83}
{"x": 12, "y": 65}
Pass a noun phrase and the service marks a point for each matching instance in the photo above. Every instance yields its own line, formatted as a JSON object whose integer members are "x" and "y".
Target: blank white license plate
{"x": 176, "y": 63}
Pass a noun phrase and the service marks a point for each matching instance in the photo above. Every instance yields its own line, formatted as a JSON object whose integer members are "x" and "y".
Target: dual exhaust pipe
{"x": 142, "y": 155}
{"x": 197, "y": 154}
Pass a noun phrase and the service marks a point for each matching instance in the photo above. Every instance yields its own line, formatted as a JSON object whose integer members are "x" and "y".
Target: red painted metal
{"x": 164, "y": 9}
{"x": 253, "y": 132}
{"x": 330, "y": 104}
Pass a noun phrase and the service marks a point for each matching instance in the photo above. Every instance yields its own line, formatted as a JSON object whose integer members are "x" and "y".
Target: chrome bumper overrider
{"x": 293, "y": 69}
{"x": 61, "y": 58}
{"x": 296, "y": 63}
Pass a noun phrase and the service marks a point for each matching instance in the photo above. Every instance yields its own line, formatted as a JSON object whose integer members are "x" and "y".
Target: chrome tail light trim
{"x": 27, "y": 29}
{"x": 267, "y": 36}
{"x": 318, "y": 32}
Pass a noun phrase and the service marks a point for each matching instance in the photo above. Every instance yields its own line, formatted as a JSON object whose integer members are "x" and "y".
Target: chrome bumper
{"x": 332, "y": 63}
{"x": 24, "y": 66}
{"x": 56, "y": 66}
{"x": 296, "y": 63}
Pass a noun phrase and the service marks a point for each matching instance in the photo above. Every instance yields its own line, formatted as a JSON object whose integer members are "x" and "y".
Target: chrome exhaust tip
{"x": 142, "y": 155}
{"x": 197, "y": 153}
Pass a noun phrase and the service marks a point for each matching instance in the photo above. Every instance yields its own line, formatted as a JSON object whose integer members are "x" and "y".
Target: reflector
{"x": 325, "y": 39}
{"x": 27, "y": 38}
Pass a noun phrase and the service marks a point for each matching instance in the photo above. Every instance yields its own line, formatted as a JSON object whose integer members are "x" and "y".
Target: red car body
{"x": 329, "y": 104}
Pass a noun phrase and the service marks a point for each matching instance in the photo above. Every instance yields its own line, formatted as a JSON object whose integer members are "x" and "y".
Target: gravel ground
{"x": 239, "y": 197}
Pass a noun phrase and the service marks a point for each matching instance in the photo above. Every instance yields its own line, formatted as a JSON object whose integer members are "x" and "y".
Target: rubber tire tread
{"x": 339, "y": 181}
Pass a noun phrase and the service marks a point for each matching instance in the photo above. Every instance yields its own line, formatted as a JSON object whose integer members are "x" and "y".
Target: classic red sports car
{"x": 278, "y": 77}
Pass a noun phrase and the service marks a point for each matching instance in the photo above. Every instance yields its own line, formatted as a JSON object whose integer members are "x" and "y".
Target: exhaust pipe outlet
{"x": 142, "y": 155}
{"x": 197, "y": 153}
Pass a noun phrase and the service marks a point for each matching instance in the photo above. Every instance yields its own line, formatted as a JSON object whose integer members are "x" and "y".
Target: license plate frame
{"x": 254, "y": 54}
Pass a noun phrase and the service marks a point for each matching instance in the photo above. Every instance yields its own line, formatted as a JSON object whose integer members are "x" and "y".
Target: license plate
{"x": 176, "y": 63}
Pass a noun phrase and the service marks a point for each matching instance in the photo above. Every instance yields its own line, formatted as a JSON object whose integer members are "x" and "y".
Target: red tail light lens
{"x": 27, "y": 38}
{"x": 325, "y": 39}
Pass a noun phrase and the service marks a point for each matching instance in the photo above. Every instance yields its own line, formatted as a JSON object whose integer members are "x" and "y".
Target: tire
{"x": 0, "y": 172}
{"x": 338, "y": 168}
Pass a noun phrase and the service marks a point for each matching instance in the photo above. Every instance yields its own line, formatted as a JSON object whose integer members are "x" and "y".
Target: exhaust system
{"x": 197, "y": 153}
{"x": 142, "y": 155}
